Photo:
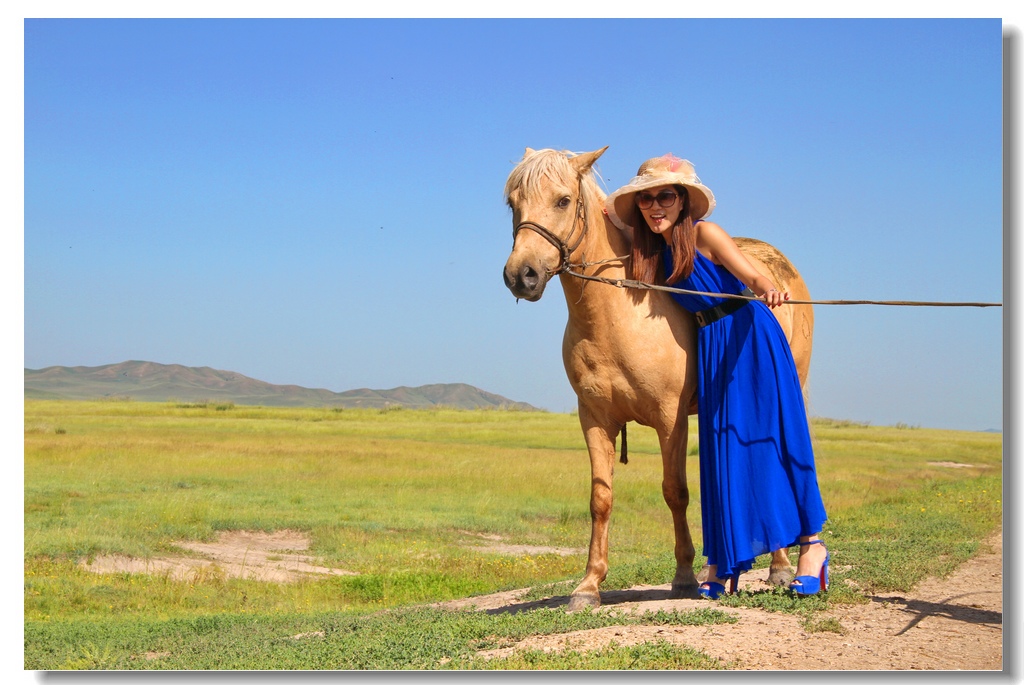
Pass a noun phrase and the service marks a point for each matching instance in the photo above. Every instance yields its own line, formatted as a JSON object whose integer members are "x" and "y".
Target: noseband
{"x": 564, "y": 249}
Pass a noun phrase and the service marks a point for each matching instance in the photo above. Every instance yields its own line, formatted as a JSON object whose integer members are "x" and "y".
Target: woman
{"x": 758, "y": 486}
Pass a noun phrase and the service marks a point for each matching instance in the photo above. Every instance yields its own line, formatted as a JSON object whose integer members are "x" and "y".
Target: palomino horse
{"x": 629, "y": 354}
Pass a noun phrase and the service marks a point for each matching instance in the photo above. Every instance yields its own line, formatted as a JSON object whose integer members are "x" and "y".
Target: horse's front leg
{"x": 601, "y": 446}
{"x": 677, "y": 497}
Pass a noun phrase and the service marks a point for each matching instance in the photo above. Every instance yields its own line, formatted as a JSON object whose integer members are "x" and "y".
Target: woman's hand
{"x": 773, "y": 297}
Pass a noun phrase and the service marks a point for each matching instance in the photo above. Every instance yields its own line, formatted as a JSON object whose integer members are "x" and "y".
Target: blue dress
{"x": 758, "y": 486}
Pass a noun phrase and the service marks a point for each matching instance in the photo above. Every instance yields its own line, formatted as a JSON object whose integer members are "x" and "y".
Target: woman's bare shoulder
{"x": 711, "y": 234}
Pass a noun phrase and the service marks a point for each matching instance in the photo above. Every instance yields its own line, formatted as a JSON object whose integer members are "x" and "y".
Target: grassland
{"x": 392, "y": 496}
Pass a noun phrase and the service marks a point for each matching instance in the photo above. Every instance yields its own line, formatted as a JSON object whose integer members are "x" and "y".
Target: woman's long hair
{"x": 647, "y": 263}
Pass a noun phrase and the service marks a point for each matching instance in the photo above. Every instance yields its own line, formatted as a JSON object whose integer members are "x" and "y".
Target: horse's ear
{"x": 529, "y": 151}
{"x": 583, "y": 161}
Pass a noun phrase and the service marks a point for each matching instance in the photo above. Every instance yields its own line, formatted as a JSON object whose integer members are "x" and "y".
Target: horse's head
{"x": 546, "y": 193}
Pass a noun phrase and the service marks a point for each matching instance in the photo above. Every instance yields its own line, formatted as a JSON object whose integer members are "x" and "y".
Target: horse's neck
{"x": 589, "y": 302}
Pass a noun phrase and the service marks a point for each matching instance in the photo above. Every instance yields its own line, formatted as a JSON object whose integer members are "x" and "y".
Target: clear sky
{"x": 319, "y": 202}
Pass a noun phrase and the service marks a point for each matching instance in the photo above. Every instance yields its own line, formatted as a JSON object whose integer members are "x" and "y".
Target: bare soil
{"x": 275, "y": 557}
{"x": 953, "y": 623}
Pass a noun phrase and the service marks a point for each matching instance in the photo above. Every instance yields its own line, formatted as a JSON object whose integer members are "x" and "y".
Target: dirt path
{"x": 943, "y": 624}
{"x": 954, "y": 623}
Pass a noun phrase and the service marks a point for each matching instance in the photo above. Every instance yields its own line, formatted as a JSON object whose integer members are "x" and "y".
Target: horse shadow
{"x": 919, "y": 609}
{"x": 608, "y": 598}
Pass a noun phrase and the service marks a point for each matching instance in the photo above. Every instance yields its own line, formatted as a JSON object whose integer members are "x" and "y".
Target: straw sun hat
{"x": 660, "y": 171}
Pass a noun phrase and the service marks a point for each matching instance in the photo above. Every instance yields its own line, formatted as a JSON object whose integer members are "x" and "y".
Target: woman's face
{"x": 660, "y": 218}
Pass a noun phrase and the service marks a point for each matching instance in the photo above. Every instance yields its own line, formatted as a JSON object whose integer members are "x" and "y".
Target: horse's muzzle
{"x": 525, "y": 282}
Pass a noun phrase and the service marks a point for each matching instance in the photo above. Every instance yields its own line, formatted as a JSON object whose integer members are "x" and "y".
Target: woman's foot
{"x": 812, "y": 567}
{"x": 714, "y": 587}
{"x": 812, "y": 556}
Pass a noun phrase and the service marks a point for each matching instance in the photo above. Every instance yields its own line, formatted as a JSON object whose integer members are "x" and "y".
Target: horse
{"x": 630, "y": 355}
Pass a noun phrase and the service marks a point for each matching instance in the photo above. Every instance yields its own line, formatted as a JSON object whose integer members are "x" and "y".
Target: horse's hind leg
{"x": 677, "y": 497}
{"x": 601, "y": 446}
{"x": 781, "y": 572}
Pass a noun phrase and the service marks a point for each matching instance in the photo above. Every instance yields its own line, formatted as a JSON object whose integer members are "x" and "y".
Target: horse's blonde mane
{"x": 540, "y": 166}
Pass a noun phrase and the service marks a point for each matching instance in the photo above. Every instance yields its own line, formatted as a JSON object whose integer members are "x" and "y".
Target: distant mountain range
{"x": 152, "y": 382}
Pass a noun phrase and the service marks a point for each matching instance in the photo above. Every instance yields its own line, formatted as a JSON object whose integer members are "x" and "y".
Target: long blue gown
{"x": 758, "y": 485}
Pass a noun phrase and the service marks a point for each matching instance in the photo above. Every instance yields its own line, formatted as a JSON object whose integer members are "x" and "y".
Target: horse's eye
{"x": 564, "y": 202}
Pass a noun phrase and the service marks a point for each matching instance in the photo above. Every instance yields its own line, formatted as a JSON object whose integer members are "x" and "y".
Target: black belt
{"x": 723, "y": 310}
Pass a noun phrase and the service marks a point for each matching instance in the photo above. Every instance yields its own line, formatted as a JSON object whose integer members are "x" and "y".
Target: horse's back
{"x": 797, "y": 320}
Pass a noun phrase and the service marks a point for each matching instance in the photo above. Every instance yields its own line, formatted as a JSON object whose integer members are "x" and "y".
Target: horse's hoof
{"x": 584, "y": 600}
{"x": 683, "y": 591}
{"x": 781, "y": 576}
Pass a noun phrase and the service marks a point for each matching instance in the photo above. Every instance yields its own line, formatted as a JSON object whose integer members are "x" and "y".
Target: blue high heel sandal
{"x": 812, "y": 585}
{"x": 712, "y": 590}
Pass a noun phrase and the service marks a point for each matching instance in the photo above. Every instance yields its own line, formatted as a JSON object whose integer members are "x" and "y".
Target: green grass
{"x": 649, "y": 656}
{"x": 415, "y": 638}
{"x": 396, "y": 496}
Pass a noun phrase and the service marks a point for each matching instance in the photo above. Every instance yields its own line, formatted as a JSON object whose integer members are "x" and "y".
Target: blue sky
{"x": 319, "y": 202}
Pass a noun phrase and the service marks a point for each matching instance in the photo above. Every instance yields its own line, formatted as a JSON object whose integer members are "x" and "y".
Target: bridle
{"x": 565, "y": 250}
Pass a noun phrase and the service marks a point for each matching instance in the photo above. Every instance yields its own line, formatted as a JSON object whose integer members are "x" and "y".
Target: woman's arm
{"x": 720, "y": 248}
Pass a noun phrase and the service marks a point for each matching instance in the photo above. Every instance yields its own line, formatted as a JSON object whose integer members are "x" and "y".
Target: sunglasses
{"x": 665, "y": 198}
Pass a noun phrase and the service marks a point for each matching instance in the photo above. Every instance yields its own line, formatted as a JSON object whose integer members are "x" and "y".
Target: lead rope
{"x": 640, "y": 285}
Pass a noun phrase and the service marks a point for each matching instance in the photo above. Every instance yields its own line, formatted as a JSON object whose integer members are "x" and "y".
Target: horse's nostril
{"x": 528, "y": 277}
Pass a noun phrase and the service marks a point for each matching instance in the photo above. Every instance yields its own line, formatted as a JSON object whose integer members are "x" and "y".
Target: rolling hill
{"x": 152, "y": 382}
